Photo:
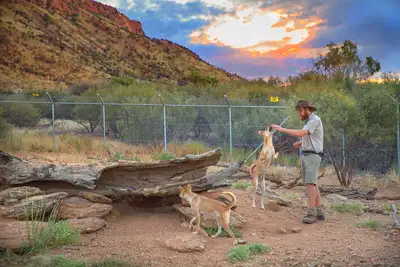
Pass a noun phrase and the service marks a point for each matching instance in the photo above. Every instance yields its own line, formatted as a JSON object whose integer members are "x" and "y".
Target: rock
{"x": 282, "y": 231}
{"x": 389, "y": 193}
{"x": 77, "y": 208}
{"x": 14, "y": 234}
{"x": 335, "y": 198}
{"x": 33, "y": 207}
{"x": 14, "y": 194}
{"x": 94, "y": 197}
{"x": 189, "y": 242}
{"x": 295, "y": 230}
{"x": 87, "y": 225}
{"x": 208, "y": 220}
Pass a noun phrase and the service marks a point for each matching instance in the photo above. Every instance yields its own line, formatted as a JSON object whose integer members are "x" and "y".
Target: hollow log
{"x": 124, "y": 178}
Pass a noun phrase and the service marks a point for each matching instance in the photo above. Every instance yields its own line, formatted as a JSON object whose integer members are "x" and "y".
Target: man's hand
{"x": 297, "y": 145}
{"x": 277, "y": 127}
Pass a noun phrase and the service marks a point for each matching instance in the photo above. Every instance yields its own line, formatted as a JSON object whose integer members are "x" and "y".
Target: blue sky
{"x": 271, "y": 37}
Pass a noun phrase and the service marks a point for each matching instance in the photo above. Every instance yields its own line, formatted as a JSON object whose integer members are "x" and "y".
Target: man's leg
{"x": 310, "y": 171}
{"x": 312, "y": 195}
{"x": 320, "y": 210}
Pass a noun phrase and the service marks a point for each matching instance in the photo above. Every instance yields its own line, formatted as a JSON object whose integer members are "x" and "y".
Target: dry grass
{"x": 389, "y": 179}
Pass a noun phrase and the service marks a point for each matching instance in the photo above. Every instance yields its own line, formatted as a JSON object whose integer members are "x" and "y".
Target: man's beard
{"x": 305, "y": 117}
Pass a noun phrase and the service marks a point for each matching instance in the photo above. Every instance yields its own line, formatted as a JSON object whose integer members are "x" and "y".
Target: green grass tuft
{"x": 372, "y": 224}
{"x": 355, "y": 208}
{"x": 163, "y": 156}
{"x": 119, "y": 156}
{"x": 56, "y": 234}
{"x": 242, "y": 253}
{"x": 241, "y": 185}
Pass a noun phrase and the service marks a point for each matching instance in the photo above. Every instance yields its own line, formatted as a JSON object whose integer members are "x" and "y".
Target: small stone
{"x": 282, "y": 231}
{"x": 295, "y": 230}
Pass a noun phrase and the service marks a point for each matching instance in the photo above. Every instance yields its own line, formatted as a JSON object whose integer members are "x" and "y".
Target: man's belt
{"x": 321, "y": 154}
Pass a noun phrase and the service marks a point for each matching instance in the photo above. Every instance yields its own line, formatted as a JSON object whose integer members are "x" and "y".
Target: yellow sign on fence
{"x": 274, "y": 99}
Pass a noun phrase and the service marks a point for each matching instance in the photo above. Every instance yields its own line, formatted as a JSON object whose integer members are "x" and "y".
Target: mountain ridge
{"x": 54, "y": 43}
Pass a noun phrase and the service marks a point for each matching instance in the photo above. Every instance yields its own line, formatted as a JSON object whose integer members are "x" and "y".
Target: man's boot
{"x": 311, "y": 216}
{"x": 320, "y": 213}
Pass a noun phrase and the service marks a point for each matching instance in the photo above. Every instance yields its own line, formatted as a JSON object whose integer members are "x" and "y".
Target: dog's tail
{"x": 233, "y": 198}
{"x": 251, "y": 169}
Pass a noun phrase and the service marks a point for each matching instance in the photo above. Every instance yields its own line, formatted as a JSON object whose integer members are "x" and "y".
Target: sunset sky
{"x": 271, "y": 37}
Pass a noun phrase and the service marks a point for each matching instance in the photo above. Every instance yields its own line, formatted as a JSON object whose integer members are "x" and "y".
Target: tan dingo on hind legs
{"x": 263, "y": 162}
{"x": 204, "y": 204}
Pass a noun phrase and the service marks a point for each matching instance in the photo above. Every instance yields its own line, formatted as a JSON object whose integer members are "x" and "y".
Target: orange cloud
{"x": 260, "y": 32}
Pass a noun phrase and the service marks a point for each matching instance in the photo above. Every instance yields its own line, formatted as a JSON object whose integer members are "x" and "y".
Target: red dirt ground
{"x": 137, "y": 236}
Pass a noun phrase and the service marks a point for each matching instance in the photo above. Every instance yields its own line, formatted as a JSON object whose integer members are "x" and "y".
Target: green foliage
{"x": 200, "y": 80}
{"x": 42, "y": 237}
{"x": 119, "y": 156}
{"x": 163, "y": 156}
{"x": 88, "y": 116}
{"x": 21, "y": 115}
{"x": 373, "y": 224}
{"x": 355, "y": 208}
{"x": 4, "y": 126}
{"x": 213, "y": 230}
{"x": 241, "y": 185}
{"x": 342, "y": 62}
{"x": 242, "y": 253}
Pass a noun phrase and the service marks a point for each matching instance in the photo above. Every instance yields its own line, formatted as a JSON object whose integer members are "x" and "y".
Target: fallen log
{"x": 352, "y": 193}
{"x": 124, "y": 178}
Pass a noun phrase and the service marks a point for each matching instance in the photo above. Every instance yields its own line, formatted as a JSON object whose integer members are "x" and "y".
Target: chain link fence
{"x": 231, "y": 125}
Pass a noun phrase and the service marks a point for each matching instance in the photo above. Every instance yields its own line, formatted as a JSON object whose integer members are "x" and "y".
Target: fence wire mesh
{"x": 190, "y": 126}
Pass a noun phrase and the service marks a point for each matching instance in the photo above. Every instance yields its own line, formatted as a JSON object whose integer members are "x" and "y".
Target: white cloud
{"x": 113, "y": 3}
{"x": 223, "y": 4}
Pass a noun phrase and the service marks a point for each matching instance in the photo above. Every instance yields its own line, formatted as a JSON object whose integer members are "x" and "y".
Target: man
{"x": 312, "y": 145}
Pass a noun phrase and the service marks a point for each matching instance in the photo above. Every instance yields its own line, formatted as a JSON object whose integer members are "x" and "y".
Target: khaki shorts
{"x": 309, "y": 168}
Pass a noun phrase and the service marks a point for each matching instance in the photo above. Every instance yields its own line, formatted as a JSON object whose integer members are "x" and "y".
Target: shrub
{"x": 242, "y": 253}
{"x": 163, "y": 156}
{"x": 4, "y": 126}
{"x": 21, "y": 115}
{"x": 241, "y": 185}
{"x": 355, "y": 208}
{"x": 54, "y": 235}
{"x": 373, "y": 224}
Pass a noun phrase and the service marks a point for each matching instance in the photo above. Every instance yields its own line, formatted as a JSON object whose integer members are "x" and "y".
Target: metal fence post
{"x": 230, "y": 128}
{"x": 343, "y": 151}
{"x": 398, "y": 140}
{"x": 164, "y": 123}
{"x": 104, "y": 123}
{"x": 52, "y": 121}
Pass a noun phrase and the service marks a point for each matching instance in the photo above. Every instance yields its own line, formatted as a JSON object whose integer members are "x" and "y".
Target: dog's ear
{"x": 189, "y": 187}
{"x": 181, "y": 189}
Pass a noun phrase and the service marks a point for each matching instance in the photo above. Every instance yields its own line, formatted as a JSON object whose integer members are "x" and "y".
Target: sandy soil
{"x": 138, "y": 235}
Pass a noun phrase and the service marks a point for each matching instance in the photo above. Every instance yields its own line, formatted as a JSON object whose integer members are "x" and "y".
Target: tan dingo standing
{"x": 263, "y": 162}
{"x": 204, "y": 204}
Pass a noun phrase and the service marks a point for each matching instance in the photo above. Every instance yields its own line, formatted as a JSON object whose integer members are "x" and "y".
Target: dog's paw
{"x": 253, "y": 205}
{"x": 263, "y": 208}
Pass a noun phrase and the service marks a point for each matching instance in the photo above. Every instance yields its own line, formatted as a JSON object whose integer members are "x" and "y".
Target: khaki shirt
{"x": 314, "y": 141}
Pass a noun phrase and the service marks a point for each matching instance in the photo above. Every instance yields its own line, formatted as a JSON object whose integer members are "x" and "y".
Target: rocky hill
{"x": 53, "y": 43}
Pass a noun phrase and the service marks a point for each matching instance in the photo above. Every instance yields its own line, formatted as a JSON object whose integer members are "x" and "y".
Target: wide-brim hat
{"x": 305, "y": 104}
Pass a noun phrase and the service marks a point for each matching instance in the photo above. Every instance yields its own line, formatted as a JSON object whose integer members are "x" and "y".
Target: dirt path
{"x": 138, "y": 236}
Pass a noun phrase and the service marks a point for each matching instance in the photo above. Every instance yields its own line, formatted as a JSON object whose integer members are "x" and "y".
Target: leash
{"x": 252, "y": 153}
